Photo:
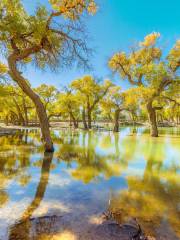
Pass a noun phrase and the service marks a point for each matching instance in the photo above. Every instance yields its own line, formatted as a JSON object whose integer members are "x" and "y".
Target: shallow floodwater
{"x": 63, "y": 196}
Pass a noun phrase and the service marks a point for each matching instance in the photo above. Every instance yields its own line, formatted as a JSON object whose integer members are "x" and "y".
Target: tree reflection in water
{"x": 152, "y": 198}
{"x": 21, "y": 230}
{"x": 151, "y": 195}
{"x": 15, "y": 154}
{"x": 90, "y": 164}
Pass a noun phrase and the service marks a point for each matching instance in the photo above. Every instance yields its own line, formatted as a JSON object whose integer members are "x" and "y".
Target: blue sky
{"x": 118, "y": 25}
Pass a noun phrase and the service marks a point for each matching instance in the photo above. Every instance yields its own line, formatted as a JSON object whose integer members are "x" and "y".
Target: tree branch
{"x": 171, "y": 100}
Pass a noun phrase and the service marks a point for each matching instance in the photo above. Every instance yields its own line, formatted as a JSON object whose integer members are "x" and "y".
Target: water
{"x": 64, "y": 194}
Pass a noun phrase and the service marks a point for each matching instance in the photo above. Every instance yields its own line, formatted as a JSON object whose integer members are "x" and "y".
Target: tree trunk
{"x": 116, "y": 120}
{"x": 177, "y": 119}
{"x": 44, "y": 124}
{"x": 14, "y": 118}
{"x": 84, "y": 118}
{"x": 20, "y": 116}
{"x": 7, "y": 120}
{"x": 25, "y": 112}
{"x": 70, "y": 120}
{"x": 152, "y": 119}
{"x": 89, "y": 118}
{"x": 26, "y": 117}
{"x": 133, "y": 117}
{"x": 75, "y": 123}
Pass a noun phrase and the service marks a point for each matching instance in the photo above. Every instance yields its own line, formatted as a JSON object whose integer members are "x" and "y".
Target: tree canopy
{"x": 148, "y": 69}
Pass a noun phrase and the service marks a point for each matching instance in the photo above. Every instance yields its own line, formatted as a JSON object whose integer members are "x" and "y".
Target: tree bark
{"x": 116, "y": 120}
{"x": 21, "y": 81}
{"x": 152, "y": 119}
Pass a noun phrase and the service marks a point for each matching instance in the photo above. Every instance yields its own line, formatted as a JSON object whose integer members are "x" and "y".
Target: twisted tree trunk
{"x": 41, "y": 112}
{"x": 152, "y": 110}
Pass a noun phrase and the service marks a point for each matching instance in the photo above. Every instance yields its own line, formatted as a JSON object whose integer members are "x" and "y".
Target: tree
{"x": 69, "y": 103}
{"x": 15, "y": 109}
{"x": 48, "y": 95}
{"x": 113, "y": 105}
{"x": 91, "y": 94}
{"x": 132, "y": 103}
{"x": 146, "y": 67}
{"x": 35, "y": 38}
{"x": 171, "y": 99}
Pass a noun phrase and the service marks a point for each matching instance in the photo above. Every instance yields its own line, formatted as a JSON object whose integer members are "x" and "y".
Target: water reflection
{"x": 141, "y": 173}
{"x": 153, "y": 198}
{"x": 15, "y": 155}
{"x": 152, "y": 202}
{"x": 21, "y": 230}
{"x": 91, "y": 163}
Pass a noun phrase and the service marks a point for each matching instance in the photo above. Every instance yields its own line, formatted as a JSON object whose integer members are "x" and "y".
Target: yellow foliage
{"x": 92, "y": 8}
{"x": 140, "y": 94}
{"x": 74, "y": 8}
{"x": 174, "y": 56}
{"x": 87, "y": 85}
{"x": 3, "y": 69}
{"x": 150, "y": 39}
{"x": 114, "y": 90}
{"x": 117, "y": 60}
